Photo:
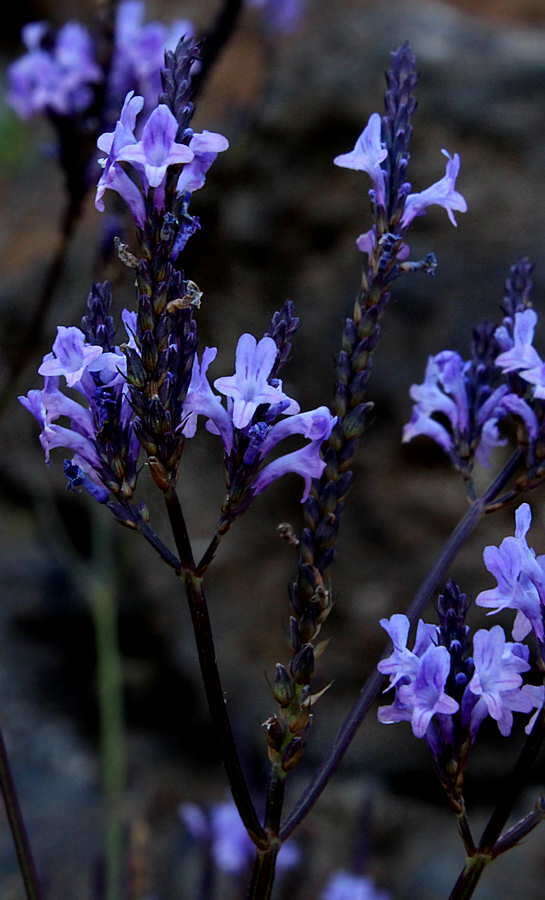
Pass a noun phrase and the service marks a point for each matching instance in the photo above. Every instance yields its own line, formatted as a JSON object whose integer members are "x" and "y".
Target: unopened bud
{"x": 283, "y": 690}
{"x": 302, "y": 664}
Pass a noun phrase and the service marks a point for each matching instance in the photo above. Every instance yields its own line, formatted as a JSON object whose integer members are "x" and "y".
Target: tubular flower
{"x": 442, "y": 193}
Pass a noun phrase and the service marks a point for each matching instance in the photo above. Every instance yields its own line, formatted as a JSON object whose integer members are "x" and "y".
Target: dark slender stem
{"x": 275, "y": 799}
{"x": 215, "y": 40}
{"x": 179, "y": 529}
{"x": 264, "y": 868}
{"x": 157, "y": 544}
{"x": 263, "y": 873}
{"x": 464, "y": 830}
{"x": 218, "y": 709}
{"x": 469, "y": 877}
{"x": 17, "y": 826}
{"x": 373, "y": 685}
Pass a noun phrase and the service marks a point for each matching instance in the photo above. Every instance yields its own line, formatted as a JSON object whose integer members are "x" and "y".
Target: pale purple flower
{"x": 314, "y": 424}
{"x": 201, "y": 401}
{"x": 444, "y": 393}
{"x": 114, "y": 177}
{"x": 56, "y": 79}
{"x": 367, "y": 155}
{"x": 232, "y": 850}
{"x": 305, "y": 462}
{"x": 205, "y": 146}
{"x": 441, "y": 193}
{"x": 424, "y": 696}
{"x": 249, "y": 386}
{"x": 520, "y": 579}
{"x": 497, "y": 681}
{"x": 404, "y": 663}
{"x": 157, "y": 150}
{"x": 521, "y": 354}
{"x": 70, "y": 355}
{"x": 346, "y": 886}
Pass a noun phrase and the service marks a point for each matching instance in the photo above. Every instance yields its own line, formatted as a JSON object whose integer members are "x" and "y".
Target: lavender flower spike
{"x": 520, "y": 579}
{"x": 249, "y": 386}
{"x": 367, "y": 155}
{"x": 442, "y": 193}
{"x": 158, "y": 149}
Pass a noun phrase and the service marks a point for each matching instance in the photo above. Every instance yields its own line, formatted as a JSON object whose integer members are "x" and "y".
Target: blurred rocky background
{"x": 279, "y": 221}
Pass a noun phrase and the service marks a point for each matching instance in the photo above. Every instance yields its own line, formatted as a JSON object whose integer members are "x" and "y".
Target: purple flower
{"x": 56, "y": 79}
{"x": 100, "y": 433}
{"x": 345, "y": 886}
{"x": 114, "y": 177}
{"x": 305, "y": 462}
{"x": 442, "y": 193}
{"x": 424, "y": 696}
{"x": 205, "y": 147}
{"x": 367, "y": 155}
{"x": 201, "y": 401}
{"x": 520, "y": 577}
{"x": 445, "y": 392}
{"x": 249, "y": 386}
{"x": 232, "y": 849}
{"x": 158, "y": 149}
{"x": 70, "y": 356}
{"x": 404, "y": 663}
{"x": 521, "y": 354}
{"x": 497, "y": 681}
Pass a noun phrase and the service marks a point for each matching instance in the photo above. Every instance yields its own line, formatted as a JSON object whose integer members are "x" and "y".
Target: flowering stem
{"x": 372, "y": 687}
{"x": 17, "y": 826}
{"x": 204, "y": 639}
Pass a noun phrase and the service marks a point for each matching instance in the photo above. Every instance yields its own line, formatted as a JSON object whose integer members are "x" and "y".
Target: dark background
{"x": 279, "y": 221}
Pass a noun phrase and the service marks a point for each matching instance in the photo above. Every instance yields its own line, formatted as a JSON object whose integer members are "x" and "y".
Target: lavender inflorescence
{"x": 383, "y": 151}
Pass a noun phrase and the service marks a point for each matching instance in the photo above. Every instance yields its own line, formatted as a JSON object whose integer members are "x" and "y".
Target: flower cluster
{"x": 220, "y": 828}
{"x": 370, "y": 155}
{"x": 520, "y": 576}
{"x": 461, "y": 403}
{"x": 55, "y": 73}
{"x": 149, "y": 159}
{"x": 258, "y": 414}
{"x": 58, "y": 69}
{"x": 99, "y": 427}
{"x": 447, "y": 684}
